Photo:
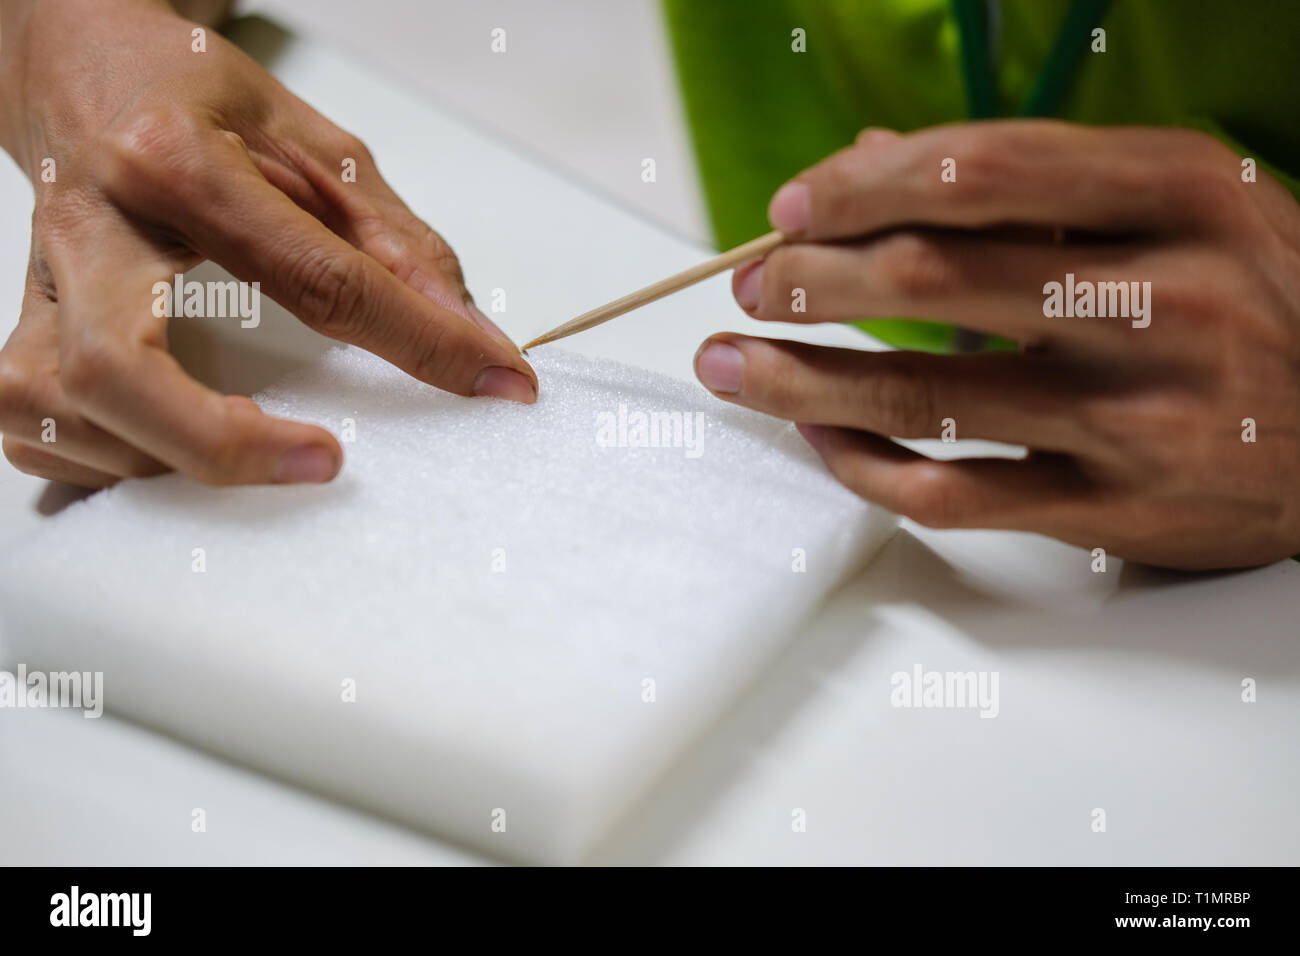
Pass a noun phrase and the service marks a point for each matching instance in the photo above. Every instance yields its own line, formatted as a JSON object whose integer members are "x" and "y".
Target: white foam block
{"x": 500, "y": 583}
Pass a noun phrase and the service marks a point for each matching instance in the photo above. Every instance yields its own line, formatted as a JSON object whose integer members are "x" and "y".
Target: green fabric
{"x": 760, "y": 113}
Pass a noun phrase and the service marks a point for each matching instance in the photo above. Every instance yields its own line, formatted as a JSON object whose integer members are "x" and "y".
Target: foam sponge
{"x": 499, "y": 623}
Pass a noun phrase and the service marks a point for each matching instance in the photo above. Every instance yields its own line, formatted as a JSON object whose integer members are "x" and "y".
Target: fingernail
{"x": 308, "y": 463}
{"x": 499, "y": 382}
{"x": 748, "y": 288}
{"x": 720, "y": 367}
{"x": 812, "y": 434}
{"x": 789, "y": 208}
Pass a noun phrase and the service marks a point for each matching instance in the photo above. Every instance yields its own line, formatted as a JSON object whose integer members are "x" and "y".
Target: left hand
{"x": 1135, "y": 432}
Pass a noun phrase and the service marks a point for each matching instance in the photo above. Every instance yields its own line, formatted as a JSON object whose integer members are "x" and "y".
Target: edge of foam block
{"x": 386, "y": 771}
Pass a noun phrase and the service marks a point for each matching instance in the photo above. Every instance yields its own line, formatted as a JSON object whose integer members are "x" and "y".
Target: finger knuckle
{"x": 779, "y": 393}
{"x": 434, "y": 362}
{"x": 331, "y": 290}
{"x": 835, "y": 186}
{"x": 87, "y": 366}
{"x": 16, "y": 390}
{"x": 838, "y": 175}
{"x": 901, "y": 397}
{"x": 873, "y": 136}
{"x": 850, "y": 470}
{"x": 984, "y": 159}
{"x": 441, "y": 252}
{"x": 444, "y": 258}
{"x": 148, "y": 149}
{"x": 39, "y": 268}
{"x": 1124, "y": 181}
{"x": 351, "y": 145}
{"x": 1205, "y": 192}
{"x": 221, "y": 457}
{"x": 218, "y": 466}
{"x": 917, "y": 267}
{"x": 930, "y": 497}
{"x": 1133, "y": 427}
{"x": 784, "y": 270}
{"x": 1202, "y": 178}
{"x": 1200, "y": 305}
{"x": 1203, "y": 146}
{"x": 233, "y": 140}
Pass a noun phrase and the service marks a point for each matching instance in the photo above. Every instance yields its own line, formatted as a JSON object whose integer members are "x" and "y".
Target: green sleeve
{"x": 760, "y": 110}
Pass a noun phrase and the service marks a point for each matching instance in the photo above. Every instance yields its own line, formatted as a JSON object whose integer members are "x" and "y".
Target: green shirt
{"x": 760, "y": 112}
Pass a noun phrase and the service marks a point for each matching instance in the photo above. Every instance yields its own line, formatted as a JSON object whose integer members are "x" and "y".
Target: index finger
{"x": 981, "y": 175}
{"x": 209, "y": 190}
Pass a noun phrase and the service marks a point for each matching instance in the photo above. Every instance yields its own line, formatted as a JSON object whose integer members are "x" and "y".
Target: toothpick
{"x": 753, "y": 249}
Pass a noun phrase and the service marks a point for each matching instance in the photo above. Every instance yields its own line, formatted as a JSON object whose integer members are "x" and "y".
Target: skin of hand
{"x": 165, "y": 157}
{"x": 1136, "y": 436}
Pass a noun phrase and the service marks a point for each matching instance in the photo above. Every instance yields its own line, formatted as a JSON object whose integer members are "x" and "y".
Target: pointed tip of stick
{"x": 540, "y": 340}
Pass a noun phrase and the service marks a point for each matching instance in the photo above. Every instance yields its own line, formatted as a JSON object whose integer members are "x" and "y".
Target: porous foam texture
{"x": 535, "y": 619}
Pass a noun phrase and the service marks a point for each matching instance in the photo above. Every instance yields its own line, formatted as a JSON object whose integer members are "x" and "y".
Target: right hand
{"x": 165, "y": 157}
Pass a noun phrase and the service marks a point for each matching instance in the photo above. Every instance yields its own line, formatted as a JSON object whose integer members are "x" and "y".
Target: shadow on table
{"x": 1039, "y": 594}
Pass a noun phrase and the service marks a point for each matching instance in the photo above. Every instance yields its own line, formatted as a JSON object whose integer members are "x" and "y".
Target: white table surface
{"x": 1118, "y": 690}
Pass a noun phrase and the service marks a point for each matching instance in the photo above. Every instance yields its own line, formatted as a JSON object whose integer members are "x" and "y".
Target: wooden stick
{"x": 728, "y": 260}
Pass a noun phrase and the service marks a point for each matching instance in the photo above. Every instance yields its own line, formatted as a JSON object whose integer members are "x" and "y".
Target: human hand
{"x": 163, "y": 157}
{"x": 1136, "y": 425}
